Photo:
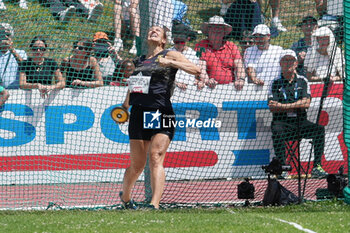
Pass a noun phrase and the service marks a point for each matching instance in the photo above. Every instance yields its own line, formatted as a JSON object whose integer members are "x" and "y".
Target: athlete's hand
{"x": 182, "y": 86}
{"x": 164, "y": 62}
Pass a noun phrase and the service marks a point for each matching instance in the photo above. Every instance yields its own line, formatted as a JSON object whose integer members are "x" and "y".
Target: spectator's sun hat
{"x": 288, "y": 52}
{"x": 261, "y": 29}
{"x": 8, "y": 28}
{"x": 216, "y": 20}
{"x": 100, "y": 35}
{"x": 306, "y": 20}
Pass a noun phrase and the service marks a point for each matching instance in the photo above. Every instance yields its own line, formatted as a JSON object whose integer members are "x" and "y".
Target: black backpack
{"x": 276, "y": 194}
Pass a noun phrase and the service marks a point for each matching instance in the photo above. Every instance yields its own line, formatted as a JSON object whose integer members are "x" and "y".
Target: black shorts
{"x": 141, "y": 126}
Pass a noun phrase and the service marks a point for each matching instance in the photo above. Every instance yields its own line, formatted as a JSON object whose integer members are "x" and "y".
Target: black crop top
{"x": 161, "y": 86}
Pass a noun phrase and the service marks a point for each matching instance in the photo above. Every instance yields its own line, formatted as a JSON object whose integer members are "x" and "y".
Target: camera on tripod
{"x": 337, "y": 182}
{"x": 275, "y": 167}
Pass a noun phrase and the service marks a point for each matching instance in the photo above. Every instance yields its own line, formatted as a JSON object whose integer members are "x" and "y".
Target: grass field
{"x": 327, "y": 216}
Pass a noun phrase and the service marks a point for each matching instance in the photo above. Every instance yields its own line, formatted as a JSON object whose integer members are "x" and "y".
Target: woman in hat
{"x": 81, "y": 69}
{"x": 38, "y": 71}
{"x": 318, "y": 60}
{"x": 223, "y": 59}
{"x": 180, "y": 37}
{"x": 150, "y": 90}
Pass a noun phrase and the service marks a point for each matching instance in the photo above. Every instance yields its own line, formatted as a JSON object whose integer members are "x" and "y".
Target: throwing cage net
{"x": 65, "y": 65}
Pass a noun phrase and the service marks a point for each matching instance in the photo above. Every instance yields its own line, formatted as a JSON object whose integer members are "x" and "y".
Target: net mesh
{"x": 64, "y": 67}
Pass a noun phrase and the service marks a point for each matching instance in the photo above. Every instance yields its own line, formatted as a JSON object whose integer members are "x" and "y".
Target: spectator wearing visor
{"x": 106, "y": 56}
{"x": 10, "y": 58}
{"x": 181, "y": 35}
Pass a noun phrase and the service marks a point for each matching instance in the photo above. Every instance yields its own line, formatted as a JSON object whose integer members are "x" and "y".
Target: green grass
{"x": 329, "y": 216}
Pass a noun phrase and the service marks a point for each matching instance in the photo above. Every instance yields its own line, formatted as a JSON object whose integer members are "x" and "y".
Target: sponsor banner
{"x": 220, "y": 133}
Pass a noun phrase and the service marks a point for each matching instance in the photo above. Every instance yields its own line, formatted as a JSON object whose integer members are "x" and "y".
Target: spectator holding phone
{"x": 106, "y": 56}
{"x": 9, "y": 58}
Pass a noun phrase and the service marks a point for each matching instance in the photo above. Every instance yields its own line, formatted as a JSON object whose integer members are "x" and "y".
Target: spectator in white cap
{"x": 289, "y": 97}
{"x": 223, "y": 60}
{"x": 262, "y": 59}
{"x": 318, "y": 59}
{"x": 9, "y": 58}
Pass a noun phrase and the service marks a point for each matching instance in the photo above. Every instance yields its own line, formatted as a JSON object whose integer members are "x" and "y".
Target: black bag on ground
{"x": 276, "y": 194}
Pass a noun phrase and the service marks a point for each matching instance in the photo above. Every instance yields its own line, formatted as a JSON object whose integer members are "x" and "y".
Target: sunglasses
{"x": 246, "y": 42}
{"x": 179, "y": 42}
{"x": 81, "y": 48}
{"x": 41, "y": 49}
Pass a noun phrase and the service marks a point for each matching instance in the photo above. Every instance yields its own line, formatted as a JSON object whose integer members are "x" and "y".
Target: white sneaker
{"x": 95, "y": 12}
{"x": 2, "y": 6}
{"x": 133, "y": 49}
{"x": 276, "y": 22}
{"x": 67, "y": 14}
{"x": 118, "y": 44}
{"x": 23, "y": 4}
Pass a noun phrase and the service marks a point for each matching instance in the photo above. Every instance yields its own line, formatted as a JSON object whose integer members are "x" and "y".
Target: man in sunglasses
{"x": 9, "y": 58}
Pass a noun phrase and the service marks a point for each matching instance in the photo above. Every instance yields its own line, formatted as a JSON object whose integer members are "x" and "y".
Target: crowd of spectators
{"x": 97, "y": 62}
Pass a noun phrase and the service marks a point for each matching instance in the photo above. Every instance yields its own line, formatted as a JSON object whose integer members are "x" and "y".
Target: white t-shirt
{"x": 182, "y": 76}
{"x": 10, "y": 78}
{"x": 107, "y": 66}
{"x": 265, "y": 62}
{"x": 319, "y": 63}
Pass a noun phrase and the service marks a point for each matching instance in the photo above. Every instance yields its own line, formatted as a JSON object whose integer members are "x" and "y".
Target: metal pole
{"x": 346, "y": 100}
